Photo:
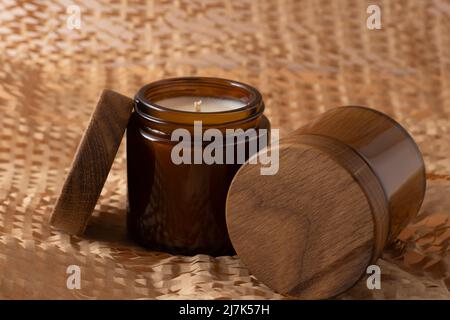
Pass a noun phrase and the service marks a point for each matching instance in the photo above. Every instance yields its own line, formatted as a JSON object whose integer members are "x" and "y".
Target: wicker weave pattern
{"x": 304, "y": 56}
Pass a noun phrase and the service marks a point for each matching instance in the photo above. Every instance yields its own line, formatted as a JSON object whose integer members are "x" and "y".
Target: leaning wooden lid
{"x": 92, "y": 162}
{"x": 310, "y": 230}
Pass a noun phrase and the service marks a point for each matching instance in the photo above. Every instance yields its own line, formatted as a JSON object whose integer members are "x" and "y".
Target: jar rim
{"x": 181, "y": 86}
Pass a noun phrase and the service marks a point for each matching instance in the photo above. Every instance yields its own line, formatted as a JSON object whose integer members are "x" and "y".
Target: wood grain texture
{"x": 92, "y": 162}
{"x": 364, "y": 176}
{"x": 348, "y": 182}
{"x": 389, "y": 150}
{"x": 307, "y": 231}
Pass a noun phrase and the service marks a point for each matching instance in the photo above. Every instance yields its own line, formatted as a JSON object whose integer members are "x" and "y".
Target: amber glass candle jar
{"x": 180, "y": 208}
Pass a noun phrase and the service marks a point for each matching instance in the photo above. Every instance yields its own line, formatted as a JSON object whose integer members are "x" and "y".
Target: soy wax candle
{"x": 180, "y": 208}
{"x": 197, "y": 104}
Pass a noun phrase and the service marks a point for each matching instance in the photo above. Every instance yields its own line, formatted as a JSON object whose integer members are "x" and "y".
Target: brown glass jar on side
{"x": 180, "y": 208}
{"x": 348, "y": 183}
{"x": 387, "y": 148}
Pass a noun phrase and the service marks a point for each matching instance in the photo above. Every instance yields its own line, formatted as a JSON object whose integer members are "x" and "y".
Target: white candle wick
{"x": 197, "y": 106}
{"x": 200, "y": 103}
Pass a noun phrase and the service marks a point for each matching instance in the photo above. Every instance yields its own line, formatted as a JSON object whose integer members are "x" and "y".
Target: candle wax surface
{"x": 200, "y": 104}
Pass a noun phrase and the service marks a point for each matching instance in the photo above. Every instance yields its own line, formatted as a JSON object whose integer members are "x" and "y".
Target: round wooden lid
{"x": 310, "y": 230}
{"x": 92, "y": 162}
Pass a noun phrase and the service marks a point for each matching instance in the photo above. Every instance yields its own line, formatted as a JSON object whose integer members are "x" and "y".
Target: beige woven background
{"x": 304, "y": 56}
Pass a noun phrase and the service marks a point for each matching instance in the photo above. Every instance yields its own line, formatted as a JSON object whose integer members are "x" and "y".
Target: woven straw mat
{"x": 304, "y": 56}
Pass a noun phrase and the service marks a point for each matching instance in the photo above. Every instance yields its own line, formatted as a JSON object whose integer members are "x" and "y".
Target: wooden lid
{"x": 92, "y": 162}
{"x": 311, "y": 230}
